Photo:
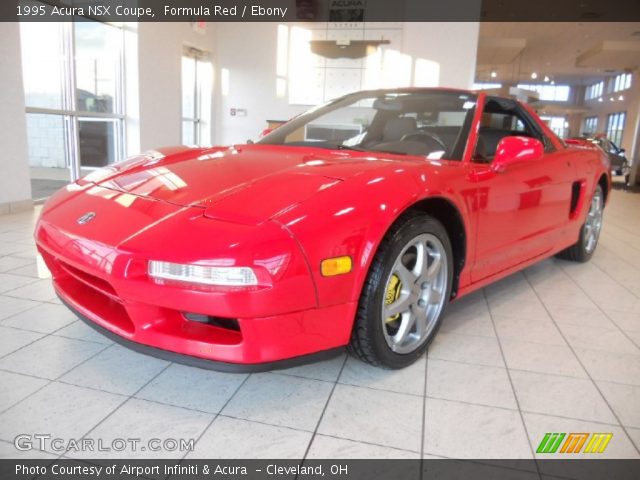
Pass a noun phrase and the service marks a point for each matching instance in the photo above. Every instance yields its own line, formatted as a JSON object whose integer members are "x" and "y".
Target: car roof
{"x": 414, "y": 90}
{"x": 433, "y": 89}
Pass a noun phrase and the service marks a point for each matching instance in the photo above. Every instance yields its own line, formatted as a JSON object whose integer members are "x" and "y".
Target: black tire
{"x": 578, "y": 251}
{"x": 367, "y": 339}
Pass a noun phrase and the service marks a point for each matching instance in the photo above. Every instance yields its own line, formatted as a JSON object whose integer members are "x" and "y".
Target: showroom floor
{"x": 555, "y": 348}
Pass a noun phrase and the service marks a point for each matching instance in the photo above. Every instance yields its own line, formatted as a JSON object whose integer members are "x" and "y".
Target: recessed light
{"x": 494, "y": 74}
{"x": 621, "y": 97}
{"x": 534, "y": 75}
{"x": 546, "y": 78}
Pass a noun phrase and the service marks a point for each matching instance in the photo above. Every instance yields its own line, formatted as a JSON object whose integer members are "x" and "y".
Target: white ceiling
{"x": 515, "y": 50}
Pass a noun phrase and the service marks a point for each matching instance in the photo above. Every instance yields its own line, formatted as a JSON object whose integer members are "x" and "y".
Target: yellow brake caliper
{"x": 392, "y": 294}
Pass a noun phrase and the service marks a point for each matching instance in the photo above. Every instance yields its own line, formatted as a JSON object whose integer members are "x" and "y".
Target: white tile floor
{"x": 553, "y": 348}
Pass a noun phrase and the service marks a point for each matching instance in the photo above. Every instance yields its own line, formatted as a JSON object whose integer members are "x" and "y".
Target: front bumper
{"x": 205, "y": 363}
{"x": 108, "y": 287}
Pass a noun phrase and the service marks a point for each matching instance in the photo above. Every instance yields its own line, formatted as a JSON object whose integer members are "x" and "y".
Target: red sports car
{"x": 353, "y": 225}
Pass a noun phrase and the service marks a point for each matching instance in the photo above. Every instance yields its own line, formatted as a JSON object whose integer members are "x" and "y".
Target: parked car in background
{"x": 617, "y": 156}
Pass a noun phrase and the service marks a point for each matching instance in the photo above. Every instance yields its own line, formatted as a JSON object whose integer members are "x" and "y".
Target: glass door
{"x": 98, "y": 94}
{"x": 73, "y": 78}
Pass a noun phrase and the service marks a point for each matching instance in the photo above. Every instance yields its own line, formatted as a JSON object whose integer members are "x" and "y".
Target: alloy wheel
{"x": 593, "y": 224}
{"x": 415, "y": 293}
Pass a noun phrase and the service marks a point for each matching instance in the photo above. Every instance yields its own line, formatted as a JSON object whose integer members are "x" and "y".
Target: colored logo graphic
{"x": 573, "y": 442}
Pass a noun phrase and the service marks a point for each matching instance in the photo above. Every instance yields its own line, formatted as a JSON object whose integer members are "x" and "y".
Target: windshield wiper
{"x": 393, "y": 152}
{"x": 373, "y": 149}
{"x": 348, "y": 147}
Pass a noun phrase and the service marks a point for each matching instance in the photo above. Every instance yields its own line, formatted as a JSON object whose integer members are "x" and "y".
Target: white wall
{"x": 15, "y": 189}
{"x": 451, "y": 45}
{"x": 249, "y": 53}
{"x": 159, "y": 80}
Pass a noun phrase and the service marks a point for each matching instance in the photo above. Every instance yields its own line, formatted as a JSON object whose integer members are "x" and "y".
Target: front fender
{"x": 353, "y": 217}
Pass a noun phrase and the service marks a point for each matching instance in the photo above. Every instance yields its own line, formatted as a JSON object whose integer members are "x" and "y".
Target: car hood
{"x": 245, "y": 184}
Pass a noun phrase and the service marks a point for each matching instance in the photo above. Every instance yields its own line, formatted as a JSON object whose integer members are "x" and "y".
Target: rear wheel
{"x": 583, "y": 249}
{"x": 405, "y": 293}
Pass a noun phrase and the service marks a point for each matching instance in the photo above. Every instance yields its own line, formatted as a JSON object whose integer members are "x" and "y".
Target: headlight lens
{"x": 223, "y": 276}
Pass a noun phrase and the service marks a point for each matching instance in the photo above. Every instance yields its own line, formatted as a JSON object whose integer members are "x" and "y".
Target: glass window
{"x": 558, "y": 125}
{"x": 594, "y": 91}
{"x": 196, "y": 98}
{"x": 99, "y": 141}
{"x": 189, "y": 87}
{"x": 552, "y": 93}
{"x": 503, "y": 118}
{"x": 615, "y": 127}
{"x": 43, "y": 64}
{"x": 48, "y": 153}
{"x": 72, "y": 74}
{"x": 502, "y": 121}
{"x": 46, "y": 140}
{"x": 485, "y": 86}
{"x": 188, "y": 132}
{"x": 621, "y": 82}
{"x": 590, "y": 126}
{"x": 97, "y": 67}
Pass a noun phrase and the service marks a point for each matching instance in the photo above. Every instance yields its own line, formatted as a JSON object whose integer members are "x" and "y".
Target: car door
{"x": 520, "y": 212}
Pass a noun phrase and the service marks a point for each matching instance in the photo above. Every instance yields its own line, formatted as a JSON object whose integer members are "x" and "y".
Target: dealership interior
{"x": 552, "y": 348}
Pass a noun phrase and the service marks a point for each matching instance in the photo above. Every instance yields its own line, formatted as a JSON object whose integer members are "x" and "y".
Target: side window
{"x": 518, "y": 125}
{"x": 500, "y": 118}
{"x": 503, "y": 118}
{"x": 537, "y": 133}
{"x": 503, "y": 121}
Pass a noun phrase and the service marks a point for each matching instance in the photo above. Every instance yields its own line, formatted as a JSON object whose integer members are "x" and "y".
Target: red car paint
{"x": 282, "y": 210}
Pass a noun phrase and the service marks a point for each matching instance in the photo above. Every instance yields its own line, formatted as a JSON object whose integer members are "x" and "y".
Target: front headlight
{"x": 222, "y": 276}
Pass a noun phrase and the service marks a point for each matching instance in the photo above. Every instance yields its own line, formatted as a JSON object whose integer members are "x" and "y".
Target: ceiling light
{"x": 546, "y": 78}
{"x": 494, "y": 74}
{"x": 600, "y": 99}
{"x": 611, "y": 99}
{"x": 534, "y": 75}
{"x": 621, "y": 97}
{"x": 553, "y": 82}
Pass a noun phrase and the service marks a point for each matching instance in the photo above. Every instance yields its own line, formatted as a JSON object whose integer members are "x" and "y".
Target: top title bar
{"x": 340, "y": 11}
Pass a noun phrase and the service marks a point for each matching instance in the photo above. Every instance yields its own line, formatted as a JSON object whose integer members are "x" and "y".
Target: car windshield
{"x": 430, "y": 123}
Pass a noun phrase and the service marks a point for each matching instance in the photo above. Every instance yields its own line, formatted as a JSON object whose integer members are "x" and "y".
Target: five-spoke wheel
{"x": 593, "y": 223}
{"x": 405, "y": 294}
{"x": 583, "y": 249}
{"x": 415, "y": 293}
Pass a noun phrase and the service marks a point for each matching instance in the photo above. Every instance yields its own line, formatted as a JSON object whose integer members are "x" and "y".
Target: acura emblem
{"x": 86, "y": 218}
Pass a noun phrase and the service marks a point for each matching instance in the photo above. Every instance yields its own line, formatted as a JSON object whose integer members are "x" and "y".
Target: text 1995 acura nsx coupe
{"x": 353, "y": 225}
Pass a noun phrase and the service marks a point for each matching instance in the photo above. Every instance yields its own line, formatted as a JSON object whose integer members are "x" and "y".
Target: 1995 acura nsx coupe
{"x": 352, "y": 225}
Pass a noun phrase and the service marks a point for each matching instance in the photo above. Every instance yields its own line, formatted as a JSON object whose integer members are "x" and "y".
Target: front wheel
{"x": 405, "y": 293}
{"x": 583, "y": 249}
